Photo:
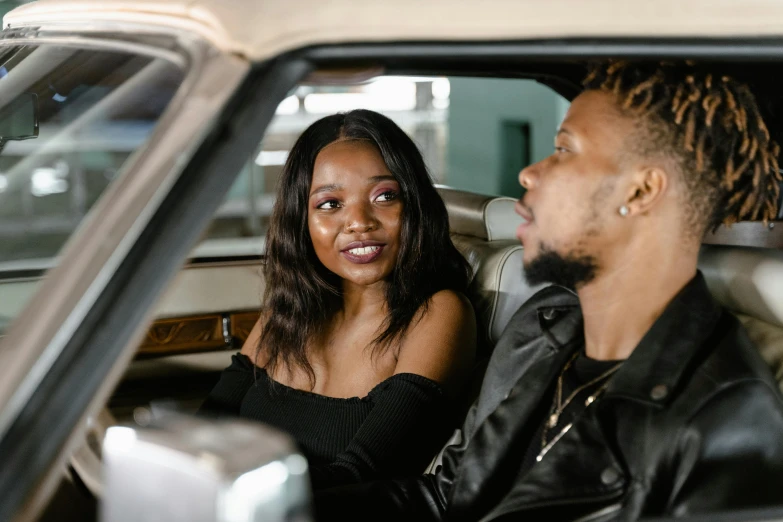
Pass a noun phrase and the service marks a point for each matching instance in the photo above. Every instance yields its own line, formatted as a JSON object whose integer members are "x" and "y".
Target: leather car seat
{"x": 749, "y": 282}
{"x": 483, "y": 228}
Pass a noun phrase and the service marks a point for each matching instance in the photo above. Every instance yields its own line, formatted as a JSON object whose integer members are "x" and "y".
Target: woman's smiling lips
{"x": 363, "y": 252}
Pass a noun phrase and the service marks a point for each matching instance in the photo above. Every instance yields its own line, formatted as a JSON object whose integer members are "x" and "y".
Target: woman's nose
{"x": 359, "y": 219}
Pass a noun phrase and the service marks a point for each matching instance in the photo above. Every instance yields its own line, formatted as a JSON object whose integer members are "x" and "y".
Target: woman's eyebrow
{"x": 378, "y": 179}
{"x": 333, "y": 187}
{"x": 326, "y": 188}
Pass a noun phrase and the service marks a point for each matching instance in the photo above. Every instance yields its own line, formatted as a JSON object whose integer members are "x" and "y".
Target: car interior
{"x": 192, "y": 320}
{"x": 209, "y": 308}
{"x": 196, "y": 334}
{"x": 199, "y": 326}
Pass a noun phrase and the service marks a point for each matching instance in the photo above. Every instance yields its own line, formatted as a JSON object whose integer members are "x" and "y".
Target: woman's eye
{"x": 389, "y": 195}
{"x": 330, "y": 204}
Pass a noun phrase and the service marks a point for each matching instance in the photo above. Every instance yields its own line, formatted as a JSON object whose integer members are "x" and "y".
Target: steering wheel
{"x": 86, "y": 461}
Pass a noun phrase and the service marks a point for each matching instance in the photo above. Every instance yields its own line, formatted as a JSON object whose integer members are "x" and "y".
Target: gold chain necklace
{"x": 558, "y": 406}
{"x": 546, "y": 447}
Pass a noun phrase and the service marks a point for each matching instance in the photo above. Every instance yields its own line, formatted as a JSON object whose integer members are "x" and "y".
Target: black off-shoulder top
{"x": 394, "y": 431}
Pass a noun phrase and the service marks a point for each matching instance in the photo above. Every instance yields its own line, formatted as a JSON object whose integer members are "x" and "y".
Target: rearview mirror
{"x": 19, "y": 118}
{"x": 183, "y": 468}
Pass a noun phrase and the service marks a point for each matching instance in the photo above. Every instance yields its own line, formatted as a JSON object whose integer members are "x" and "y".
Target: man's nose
{"x": 528, "y": 177}
{"x": 360, "y": 218}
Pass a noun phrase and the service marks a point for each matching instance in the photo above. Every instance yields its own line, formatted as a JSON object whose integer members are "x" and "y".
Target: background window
{"x": 474, "y": 133}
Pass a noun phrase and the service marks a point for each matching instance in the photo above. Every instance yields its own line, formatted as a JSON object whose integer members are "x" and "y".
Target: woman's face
{"x": 355, "y": 212}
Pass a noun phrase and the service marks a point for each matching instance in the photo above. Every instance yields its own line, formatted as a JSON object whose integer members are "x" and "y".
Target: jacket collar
{"x": 657, "y": 365}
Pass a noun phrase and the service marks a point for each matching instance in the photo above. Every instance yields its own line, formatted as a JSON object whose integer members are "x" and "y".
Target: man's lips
{"x": 527, "y": 216}
{"x": 520, "y": 209}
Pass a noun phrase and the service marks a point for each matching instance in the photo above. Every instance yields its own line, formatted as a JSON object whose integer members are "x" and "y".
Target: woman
{"x": 365, "y": 338}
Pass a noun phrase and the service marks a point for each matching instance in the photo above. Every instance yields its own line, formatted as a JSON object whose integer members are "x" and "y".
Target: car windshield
{"x": 70, "y": 119}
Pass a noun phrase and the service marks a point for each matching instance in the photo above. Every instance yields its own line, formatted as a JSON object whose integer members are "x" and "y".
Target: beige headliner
{"x": 261, "y": 29}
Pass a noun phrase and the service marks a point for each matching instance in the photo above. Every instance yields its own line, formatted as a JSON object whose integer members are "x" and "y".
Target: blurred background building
{"x": 475, "y": 134}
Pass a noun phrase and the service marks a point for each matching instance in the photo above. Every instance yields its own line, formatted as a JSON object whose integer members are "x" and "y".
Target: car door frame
{"x": 38, "y": 352}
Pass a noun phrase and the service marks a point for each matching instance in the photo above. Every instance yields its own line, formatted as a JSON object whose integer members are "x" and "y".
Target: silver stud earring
{"x": 624, "y": 211}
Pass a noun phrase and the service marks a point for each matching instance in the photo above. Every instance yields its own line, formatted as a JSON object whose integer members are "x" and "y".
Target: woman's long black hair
{"x": 301, "y": 295}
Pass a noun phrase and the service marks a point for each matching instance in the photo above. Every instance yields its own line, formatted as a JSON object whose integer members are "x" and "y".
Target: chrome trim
{"x": 226, "y": 331}
{"x": 98, "y": 44}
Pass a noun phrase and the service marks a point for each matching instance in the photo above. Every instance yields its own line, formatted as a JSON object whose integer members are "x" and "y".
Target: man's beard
{"x": 570, "y": 271}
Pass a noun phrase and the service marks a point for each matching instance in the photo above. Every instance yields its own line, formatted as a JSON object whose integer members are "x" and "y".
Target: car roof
{"x": 260, "y": 29}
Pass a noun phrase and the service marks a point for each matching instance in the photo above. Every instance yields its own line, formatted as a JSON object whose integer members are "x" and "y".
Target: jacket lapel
{"x": 578, "y": 476}
{"x": 495, "y": 437}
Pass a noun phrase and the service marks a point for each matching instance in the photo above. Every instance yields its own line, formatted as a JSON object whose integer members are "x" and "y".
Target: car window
{"x": 92, "y": 110}
{"x": 475, "y": 134}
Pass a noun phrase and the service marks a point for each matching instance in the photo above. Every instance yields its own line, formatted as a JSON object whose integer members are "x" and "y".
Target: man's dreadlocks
{"x": 712, "y": 125}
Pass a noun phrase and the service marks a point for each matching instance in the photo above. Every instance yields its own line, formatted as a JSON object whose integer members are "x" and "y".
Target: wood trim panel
{"x": 241, "y": 324}
{"x": 198, "y": 333}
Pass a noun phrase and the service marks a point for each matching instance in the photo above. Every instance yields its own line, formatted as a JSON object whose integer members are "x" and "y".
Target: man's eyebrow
{"x": 326, "y": 188}
{"x": 562, "y": 130}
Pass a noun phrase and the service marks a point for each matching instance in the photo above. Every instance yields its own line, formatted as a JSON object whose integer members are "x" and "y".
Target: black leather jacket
{"x": 691, "y": 423}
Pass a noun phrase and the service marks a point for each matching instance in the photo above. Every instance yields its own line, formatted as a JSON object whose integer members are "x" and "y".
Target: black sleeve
{"x": 422, "y": 498}
{"x": 413, "y": 499}
{"x": 227, "y": 395}
{"x": 409, "y": 422}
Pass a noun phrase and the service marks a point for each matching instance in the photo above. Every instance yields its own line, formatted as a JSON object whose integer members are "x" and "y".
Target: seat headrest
{"x": 748, "y": 281}
{"x": 483, "y": 228}
{"x": 484, "y": 217}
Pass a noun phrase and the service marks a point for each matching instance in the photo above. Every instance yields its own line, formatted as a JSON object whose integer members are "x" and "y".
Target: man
{"x": 638, "y": 396}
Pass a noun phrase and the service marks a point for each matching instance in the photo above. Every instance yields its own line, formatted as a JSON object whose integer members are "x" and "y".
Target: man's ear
{"x": 647, "y": 188}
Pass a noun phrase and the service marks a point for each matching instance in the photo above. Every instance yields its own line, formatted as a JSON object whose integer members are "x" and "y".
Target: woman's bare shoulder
{"x": 250, "y": 348}
{"x": 441, "y": 343}
{"x": 450, "y": 301}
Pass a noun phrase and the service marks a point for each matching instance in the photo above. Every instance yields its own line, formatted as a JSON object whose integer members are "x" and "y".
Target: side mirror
{"x": 19, "y": 118}
{"x": 191, "y": 469}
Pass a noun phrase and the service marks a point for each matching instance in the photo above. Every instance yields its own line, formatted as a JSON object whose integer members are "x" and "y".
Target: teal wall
{"x": 478, "y": 109}
{"x": 8, "y": 5}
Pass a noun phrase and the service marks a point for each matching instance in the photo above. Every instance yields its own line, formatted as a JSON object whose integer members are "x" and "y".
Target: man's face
{"x": 573, "y": 196}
